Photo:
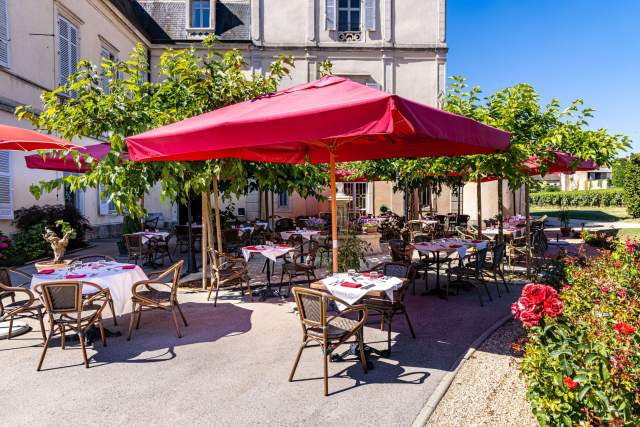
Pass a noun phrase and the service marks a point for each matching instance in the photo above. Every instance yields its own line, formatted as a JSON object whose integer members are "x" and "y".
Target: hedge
{"x": 632, "y": 186}
{"x": 610, "y": 197}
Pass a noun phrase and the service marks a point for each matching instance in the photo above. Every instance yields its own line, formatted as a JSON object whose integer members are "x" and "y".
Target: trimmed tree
{"x": 632, "y": 186}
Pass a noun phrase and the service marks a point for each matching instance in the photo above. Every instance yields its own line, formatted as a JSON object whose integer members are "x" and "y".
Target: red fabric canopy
{"x": 300, "y": 124}
{"x": 346, "y": 175}
{"x": 66, "y": 164}
{"x": 19, "y": 139}
{"x": 562, "y": 163}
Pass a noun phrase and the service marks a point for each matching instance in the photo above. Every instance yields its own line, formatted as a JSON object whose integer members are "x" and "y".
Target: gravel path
{"x": 487, "y": 390}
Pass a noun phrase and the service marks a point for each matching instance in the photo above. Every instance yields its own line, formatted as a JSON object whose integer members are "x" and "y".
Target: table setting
{"x": 305, "y": 233}
{"x": 148, "y": 235}
{"x": 351, "y": 287}
{"x": 112, "y": 275}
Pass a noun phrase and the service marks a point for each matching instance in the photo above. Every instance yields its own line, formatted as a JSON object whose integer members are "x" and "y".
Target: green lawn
{"x": 590, "y": 213}
{"x": 629, "y": 233}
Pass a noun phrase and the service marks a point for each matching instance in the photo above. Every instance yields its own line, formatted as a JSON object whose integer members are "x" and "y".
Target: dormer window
{"x": 200, "y": 13}
{"x": 349, "y": 15}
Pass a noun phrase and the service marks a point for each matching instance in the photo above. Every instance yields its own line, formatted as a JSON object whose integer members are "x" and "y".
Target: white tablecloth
{"x": 306, "y": 234}
{"x": 146, "y": 235}
{"x": 385, "y": 284}
{"x": 493, "y": 231}
{"x": 108, "y": 275}
{"x": 271, "y": 252}
{"x": 450, "y": 245}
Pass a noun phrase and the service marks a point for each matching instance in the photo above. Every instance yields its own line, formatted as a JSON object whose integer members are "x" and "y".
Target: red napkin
{"x": 128, "y": 267}
{"x": 367, "y": 274}
{"x": 351, "y": 285}
{"x": 251, "y": 248}
{"x": 283, "y": 246}
{"x": 476, "y": 241}
{"x": 46, "y": 271}
{"x": 455, "y": 246}
{"x": 75, "y": 276}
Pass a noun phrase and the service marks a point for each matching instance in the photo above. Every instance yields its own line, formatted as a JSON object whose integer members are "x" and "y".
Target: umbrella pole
{"x": 210, "y": 238}
{"x": 216, "y": 205}
{"x": 528, "y": 229}
{"x": 500, "y": 213}
{"x": 205, "y": 234}
{"x": 191, "y": 259}
{"x": 479, "y": 195}
{"x": 334, "y": 211}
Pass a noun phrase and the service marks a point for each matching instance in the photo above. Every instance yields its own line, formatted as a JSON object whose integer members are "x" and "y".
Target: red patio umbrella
{"x": 67, "y": 164}
{"x": 19, "y": 139}
{"x": 327, "y": 120}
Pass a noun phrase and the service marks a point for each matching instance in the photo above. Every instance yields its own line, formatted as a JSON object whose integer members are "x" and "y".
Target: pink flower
{"x": 530, "y": 318}
{"x": 605, "y": 289}
{"x": 553, "y": 307}
{"x": 622, "y": 293}
{"x": 4, "y": 245}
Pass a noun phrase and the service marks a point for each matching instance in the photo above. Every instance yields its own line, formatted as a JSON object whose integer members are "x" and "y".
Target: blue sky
{"x": 567, "y": 49}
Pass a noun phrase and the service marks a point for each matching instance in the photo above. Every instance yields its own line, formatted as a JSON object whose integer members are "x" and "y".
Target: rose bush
{"x": 582, "y": 356}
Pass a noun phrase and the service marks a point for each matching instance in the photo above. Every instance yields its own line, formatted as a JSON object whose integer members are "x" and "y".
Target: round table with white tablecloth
{"x": 117, "y": 277}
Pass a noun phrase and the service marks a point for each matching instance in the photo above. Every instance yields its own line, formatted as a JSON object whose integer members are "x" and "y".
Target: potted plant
{"x": 565, "y": 223}
{"x": 351, "y": 252}
{"x": 58, "y": 245}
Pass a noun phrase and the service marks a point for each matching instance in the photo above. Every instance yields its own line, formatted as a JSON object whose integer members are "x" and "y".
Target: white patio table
{"x": 115, "y": 276}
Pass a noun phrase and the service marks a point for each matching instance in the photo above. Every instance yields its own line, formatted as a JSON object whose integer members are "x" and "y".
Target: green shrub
{"x": 582, "y": 366}
{"x": 29, "y": 244}
{"x": 632, "y": 186}
{"x": 50, "y": 215}
{"x": 618, "y": 172}
{"x": 609, "y": 197}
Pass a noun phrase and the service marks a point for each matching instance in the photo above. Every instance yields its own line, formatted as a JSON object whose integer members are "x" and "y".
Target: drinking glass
{"x": 373, "y": 275}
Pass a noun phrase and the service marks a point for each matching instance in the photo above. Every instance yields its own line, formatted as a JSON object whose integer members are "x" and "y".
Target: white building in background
{"x": 395, "y": 45}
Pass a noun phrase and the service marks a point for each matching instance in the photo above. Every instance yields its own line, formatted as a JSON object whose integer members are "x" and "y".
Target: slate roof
{"x": 233, "y": 18}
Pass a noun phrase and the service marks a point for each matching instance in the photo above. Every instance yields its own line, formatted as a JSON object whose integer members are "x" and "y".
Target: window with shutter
{"x": 104, "y": 83}
{"x": 330, "y": 15}
{"x": 4, "y": 33}
{"x": 370, "y": 15}
{"x": 283, "y": 200}
{"x": 67, "y": 49}
{"x": 6, "y": 186}
{"x": 348, "y": 15}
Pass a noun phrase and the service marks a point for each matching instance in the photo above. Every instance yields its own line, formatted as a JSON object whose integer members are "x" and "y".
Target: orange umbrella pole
{"x": 334, "y": 211}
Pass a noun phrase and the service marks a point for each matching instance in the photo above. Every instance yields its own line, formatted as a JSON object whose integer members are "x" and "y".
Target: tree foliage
{"x": 618, "y": 172}
{"x": 632, "y": 186}
{"x": 191, "y": 82}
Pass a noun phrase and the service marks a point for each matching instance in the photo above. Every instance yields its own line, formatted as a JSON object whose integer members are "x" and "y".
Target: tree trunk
{"x": 500, "y": 213}
{"x": 479, "y": 195}
{"x": 205, "y": 235}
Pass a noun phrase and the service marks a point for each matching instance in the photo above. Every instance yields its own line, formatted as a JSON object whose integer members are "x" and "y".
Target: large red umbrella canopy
{"x": 300, "y": 124}
{"x": 329, "y": 120}
{"x": 19, "y": 139}
{"x": 558, "y": 162}
{"x": 66, "y": 163}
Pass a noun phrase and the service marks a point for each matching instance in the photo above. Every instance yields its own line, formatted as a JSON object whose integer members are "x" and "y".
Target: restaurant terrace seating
{"x": 387, "y": 308}
{"x": 138, "y": 251}
{"x": 294, "y": 267}
{"x": 230, "y": 271}
{"x": 31, "y": 307}
{"x": 154, "y": 294}
{"x": 69, "y": 311}
{"x": 469, "y": 272}
{"x": 327, "y": 332}
{"x": 107, "y": 294}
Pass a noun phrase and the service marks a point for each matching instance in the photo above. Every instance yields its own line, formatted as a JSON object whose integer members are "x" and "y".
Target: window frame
{"x": 281, "y": 206}
{"x": 9, "y": 206}
{"x": 349, "y": 9}
{"x": 72, "y": 68}
{"x": 102, "y": 201}
{"x": 7, "y": 42}
{"x": 190, "y": 9}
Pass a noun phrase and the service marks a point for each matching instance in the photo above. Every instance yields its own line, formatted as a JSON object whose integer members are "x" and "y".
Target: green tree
{"x": 632, "y": 186}
{"x": 190, "y": 83}
{"x": 619, "y": 172}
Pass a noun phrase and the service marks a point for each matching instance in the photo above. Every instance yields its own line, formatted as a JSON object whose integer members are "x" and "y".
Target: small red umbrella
{"x": 66, "y": 163}
{"x": 19, "y": 139}
{"x": 326, "y": 121}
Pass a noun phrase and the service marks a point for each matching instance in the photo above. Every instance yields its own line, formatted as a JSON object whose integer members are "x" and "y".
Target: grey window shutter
{"x": 67, "y": 49}
{"x": 6, "y": 186}
{"x": 104, "y": 205}
{"x": 4, "y": 33}
{"x": 104, "y": 83}
{"x": 370, "y": 15}
{"x": 331, "y": 15}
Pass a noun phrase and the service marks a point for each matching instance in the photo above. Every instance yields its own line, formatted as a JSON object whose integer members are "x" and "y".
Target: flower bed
{"x": 582, "y": 358}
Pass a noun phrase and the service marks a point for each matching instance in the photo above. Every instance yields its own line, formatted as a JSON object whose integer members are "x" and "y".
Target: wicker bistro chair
{"x": 284, "y": 224}
{"x": 294, "y": 267}
{"x": 387, "y": 308}
{"x": 495, "y": 266}
{"x": 469, "y": 271}
{"x": 31, "y": 307}
{"x": 137, "y": 250}
{"x": 69, "y": 310}
{"x": 147, "y": 296}
{"x": 400, "y": 252}
{"x": 5, "y": 279}
{"x": 231, "y": 242}
{"x": 182, "y": 238}
{"x": 326, "y": 332}
{"x": 232, "y": 271}
{"x": 151, "y": 224}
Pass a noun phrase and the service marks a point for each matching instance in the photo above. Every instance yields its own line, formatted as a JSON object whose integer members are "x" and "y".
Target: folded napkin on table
{"x": 350, "y": 285}
{"x": 46, "y": 271}
{"x": 128, "y": 267}
{"x": 75, "y": 276}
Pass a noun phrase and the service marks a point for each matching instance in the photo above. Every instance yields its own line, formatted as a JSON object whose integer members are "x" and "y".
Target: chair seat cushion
{"x": 36, "y": 304}
{"x": 336, "y": 329}
{"x": 462, "y": 270}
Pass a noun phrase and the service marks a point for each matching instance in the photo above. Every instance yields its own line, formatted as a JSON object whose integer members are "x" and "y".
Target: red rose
{"x": 553, "y": 307}
{"x": 622, "y": 293}
{"x": 624, "y": 328}
{"x": 570, "y": 383}
{"x": 605, "y": 289}
{"x": 534, "y": 292}
{"x": 4, "y": 245}
{"x": 530, "y": 317}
